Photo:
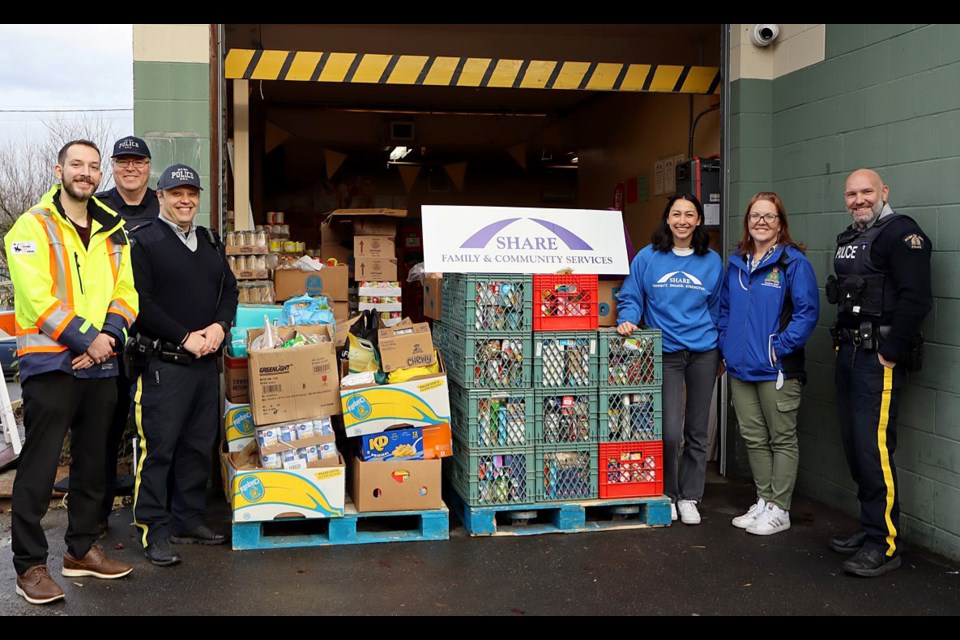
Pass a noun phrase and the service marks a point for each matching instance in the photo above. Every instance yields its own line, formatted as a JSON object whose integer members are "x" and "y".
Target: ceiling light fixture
{"x": 399, "y": 153}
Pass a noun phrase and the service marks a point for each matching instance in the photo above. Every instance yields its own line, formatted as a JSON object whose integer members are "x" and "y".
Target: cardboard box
{"x": 238, "y": 428}
{"x": 405, "y": 443}
{"x": 291, "y": 384}
{"x": 375, "y": 268}
{"x": 374, "y": 226}
{"x": 432, "y": 296}
{"x": 338, "y": 252}
{"x": 256, "y": 494}
{"x": 329, "y": 281}
{"x": 236, "y": 378}
{"x": 607, "y": 299}
{"x": 418, "y": 402}
{"x": 437, "y": 441}
{"x": 395, "y": 485}
{"x": 337, "y": 227}
{"x": 374, "y": 247}
{"x": 406, "y": 345}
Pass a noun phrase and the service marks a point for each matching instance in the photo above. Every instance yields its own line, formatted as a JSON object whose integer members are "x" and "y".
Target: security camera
{"x": 763, "y": 35}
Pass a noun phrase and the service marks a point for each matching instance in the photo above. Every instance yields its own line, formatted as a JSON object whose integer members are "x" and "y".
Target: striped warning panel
{"x": 452, "y": 71}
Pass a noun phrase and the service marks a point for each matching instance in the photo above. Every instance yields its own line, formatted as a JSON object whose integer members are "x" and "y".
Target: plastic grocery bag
{"x": 306, "y": 309}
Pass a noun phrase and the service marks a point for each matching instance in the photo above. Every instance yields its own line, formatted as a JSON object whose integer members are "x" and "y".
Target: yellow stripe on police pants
{"x": 138, "y": 417}
{"x": 885, "y": 399}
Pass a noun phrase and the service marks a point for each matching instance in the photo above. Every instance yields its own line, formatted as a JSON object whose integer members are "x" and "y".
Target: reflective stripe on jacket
{"x": 65, "y": 294}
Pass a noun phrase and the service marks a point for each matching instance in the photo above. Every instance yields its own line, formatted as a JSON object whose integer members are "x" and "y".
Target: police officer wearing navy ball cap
{"x": 136, "y": 203}
{"x": 882, "y": 290}
{"x": 188, "y": 298}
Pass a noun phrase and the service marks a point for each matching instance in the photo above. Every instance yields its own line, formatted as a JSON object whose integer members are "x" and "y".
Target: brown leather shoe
{"x": 37, "y": 587}
{"x": 95, "y": 564}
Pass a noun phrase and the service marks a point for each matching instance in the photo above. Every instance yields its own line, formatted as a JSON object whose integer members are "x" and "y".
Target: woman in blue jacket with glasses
{"x": 769, "y": 305}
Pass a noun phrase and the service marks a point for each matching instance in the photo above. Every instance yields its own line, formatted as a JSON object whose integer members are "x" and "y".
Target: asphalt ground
{"x": 712, "y": 569}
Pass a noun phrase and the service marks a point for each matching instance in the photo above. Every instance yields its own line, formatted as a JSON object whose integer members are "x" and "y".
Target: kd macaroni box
{"x": 395, "y": 444}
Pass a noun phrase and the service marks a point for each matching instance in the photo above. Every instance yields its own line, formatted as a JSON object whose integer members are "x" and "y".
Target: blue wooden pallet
{"x": 352, "y": 528}
{"x": 562, "y": 517}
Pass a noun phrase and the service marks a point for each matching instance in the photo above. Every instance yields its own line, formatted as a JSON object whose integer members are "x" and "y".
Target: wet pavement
{"x": 713, "y": 569}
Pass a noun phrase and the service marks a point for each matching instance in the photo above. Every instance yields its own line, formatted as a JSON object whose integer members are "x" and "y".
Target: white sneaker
{"x": 747, "y": 519}
{"x": 673, "y": 512}
{"x": 772, "y": 520}
{"x": 688, "y": 512}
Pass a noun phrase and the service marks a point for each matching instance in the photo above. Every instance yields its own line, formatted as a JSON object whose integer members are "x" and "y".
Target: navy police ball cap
{"x": 178, "y": 175}
{"x": 131, "y": 146}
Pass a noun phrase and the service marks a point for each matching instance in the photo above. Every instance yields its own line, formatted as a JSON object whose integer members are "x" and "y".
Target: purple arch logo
{"x": 481, "y": 238}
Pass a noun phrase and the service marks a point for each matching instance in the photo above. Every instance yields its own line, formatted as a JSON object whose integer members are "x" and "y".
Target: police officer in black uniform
{"x": 188, "y": 297}
{"x": 136, "y": 203}
{"x": 882, "y": 293}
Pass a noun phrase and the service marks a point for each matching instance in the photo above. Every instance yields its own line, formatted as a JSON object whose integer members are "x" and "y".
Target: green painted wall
{"x": 172, "y": 113}
{"x": 886, "y": 97}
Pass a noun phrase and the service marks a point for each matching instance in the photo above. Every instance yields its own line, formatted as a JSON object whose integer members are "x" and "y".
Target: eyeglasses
{"x": 139, "y": 164}
{"x": 766, "y": 217}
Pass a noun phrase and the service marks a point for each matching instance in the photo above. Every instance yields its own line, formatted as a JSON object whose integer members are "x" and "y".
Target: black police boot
{"x": 870, "y": 563}
{"x": 201, "y": 535}
{"x": 848, "y": 545}
{"x": 161, "y": 553}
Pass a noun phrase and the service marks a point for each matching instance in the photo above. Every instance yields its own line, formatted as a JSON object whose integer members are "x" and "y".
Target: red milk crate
{"x": 565, "y": 302}
{"x": 631, "y": 469}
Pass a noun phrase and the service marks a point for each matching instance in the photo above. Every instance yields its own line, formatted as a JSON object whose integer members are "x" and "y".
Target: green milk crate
{"x": 488, "y": 302}
{"x": 490, "y": 361}
{"x": 488, "y": 420}
{"x": 567, "y": 473}
{"x": 565, "y": 418}
{"x": 630, "y": 361}
{"x": 630, "y": 414}
{"x": 493, "y": 478}
{"x": 565, "y": 360}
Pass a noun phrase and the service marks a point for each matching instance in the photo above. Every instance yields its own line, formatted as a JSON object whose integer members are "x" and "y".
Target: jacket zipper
{"x": 76, "y": 259}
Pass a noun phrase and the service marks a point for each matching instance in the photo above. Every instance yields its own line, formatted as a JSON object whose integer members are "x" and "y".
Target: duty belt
{"x": 868, "y": 336}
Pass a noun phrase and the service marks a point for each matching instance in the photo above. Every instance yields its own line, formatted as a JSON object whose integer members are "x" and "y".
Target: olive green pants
{"x": 768, "y": 426}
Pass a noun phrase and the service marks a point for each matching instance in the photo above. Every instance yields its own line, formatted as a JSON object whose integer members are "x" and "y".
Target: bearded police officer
{"x": 188, "y": 298}
{"x": 882, "y": 293}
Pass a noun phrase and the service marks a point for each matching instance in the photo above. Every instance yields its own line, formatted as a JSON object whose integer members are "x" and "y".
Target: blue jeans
{"x": 686, "y": 420}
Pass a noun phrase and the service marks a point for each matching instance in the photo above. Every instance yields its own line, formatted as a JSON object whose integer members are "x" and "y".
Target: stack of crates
{"x": 485, "y": 338}
{"x": 630, "y": 429}
{"x": 565, "y": 378}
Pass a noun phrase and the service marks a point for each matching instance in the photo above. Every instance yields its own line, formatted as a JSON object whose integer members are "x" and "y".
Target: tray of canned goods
{"x": 488, "y": 302}
{"x": 484, "y": 478}
{"x": 566, "y": 473}
{"x": 492, "y": 361}
{"x": 629, "y": 414}
{"x": 565, "y": 359}
{"x": 564, "y": 418}
{"x": 485, "y": 419}
{"x": 630, "y": 361}
{"x": 631, "y": 469}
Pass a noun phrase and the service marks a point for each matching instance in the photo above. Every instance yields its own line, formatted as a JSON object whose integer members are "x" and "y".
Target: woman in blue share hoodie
{"x": 769, "y": 306}
{"x": 674, "y": 285}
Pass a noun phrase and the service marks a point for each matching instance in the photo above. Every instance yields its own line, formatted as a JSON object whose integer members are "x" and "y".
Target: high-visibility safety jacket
{"x": 65, "y": 294}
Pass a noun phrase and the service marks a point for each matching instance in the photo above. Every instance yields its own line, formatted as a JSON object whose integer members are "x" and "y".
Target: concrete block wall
{"x": 885, "y": 97}
{"x": 171, "y": 88}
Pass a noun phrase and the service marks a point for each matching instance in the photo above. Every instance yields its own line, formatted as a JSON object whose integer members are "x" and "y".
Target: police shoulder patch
{"x": 913, "y": 241}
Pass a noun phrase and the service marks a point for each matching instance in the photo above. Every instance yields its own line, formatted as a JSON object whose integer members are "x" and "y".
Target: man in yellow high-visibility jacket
{"x": 74, "y": 303}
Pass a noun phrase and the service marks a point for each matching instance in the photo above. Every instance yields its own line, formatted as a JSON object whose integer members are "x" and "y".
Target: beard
{"x": 875, "y": 212}
{"x": 73, "y": 193}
